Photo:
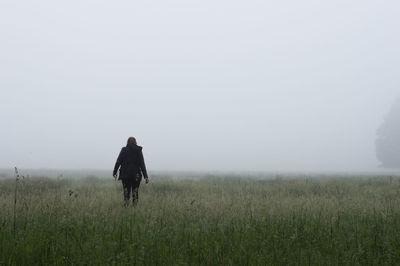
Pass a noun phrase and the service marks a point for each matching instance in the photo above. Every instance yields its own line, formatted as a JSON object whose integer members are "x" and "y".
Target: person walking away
{"x": 130, "y": 163}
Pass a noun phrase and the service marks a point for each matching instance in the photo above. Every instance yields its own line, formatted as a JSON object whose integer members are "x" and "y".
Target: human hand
{"x": 115, "y": 176}
{"x": 147, "y": 180}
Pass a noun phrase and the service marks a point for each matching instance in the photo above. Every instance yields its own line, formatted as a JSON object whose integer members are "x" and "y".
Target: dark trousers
{"x": 131, "y": 185}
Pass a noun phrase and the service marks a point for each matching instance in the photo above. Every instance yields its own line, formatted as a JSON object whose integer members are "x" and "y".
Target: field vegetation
{"x": 203, "y": 221}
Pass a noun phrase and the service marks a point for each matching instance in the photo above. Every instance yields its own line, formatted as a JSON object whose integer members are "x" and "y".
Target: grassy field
{"x": 205, "y": 221}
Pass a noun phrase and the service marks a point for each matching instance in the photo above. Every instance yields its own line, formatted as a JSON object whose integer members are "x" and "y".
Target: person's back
{"x": 131, "y": 167}
{"x": 131, "y": 161}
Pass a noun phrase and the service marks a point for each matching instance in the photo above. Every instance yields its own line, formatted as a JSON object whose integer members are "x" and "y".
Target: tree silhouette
{"x": 388, "y": 139}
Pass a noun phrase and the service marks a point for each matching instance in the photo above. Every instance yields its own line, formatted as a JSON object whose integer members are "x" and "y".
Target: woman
{"x": 132, "y": 166}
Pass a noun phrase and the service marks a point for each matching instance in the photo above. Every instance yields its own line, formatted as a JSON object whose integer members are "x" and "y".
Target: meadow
{"x": 212, "y": 220}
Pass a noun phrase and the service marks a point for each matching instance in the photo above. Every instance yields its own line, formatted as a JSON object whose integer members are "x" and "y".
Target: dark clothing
{"x": 131, "y": 185}
{"x": 132, "y": 164}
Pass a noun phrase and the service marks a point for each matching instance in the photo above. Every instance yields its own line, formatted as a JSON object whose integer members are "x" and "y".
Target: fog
{"x": 203, "y": 85}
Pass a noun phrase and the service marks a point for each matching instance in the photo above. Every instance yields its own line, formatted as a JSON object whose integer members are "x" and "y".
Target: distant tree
{"x": 388, "y": 138}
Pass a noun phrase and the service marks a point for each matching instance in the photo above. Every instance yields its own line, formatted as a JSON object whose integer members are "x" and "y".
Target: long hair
{"x": 131, "y": 140}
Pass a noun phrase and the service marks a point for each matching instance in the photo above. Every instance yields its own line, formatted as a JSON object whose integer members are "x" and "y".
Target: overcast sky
{"x": 203, "y": 85}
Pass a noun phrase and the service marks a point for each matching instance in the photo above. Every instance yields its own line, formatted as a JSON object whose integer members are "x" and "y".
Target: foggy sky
{"x": 203, "y": 85}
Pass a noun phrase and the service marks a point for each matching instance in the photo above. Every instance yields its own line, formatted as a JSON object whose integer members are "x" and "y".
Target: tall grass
{"x": 209, "y": 221}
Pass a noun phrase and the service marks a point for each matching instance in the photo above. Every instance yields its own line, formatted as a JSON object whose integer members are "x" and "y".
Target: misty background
{"x": 203, "y": 85}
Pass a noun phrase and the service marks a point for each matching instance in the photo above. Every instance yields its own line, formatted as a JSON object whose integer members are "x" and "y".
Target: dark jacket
{"x": 131, "y": 161}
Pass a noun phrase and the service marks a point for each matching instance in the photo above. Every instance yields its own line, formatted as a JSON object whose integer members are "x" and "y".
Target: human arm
{"x": 143, "y": 167}
{"x": 118, "y": 163}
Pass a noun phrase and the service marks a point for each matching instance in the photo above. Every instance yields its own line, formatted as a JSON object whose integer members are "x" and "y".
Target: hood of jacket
{"x": 133, "y": 146}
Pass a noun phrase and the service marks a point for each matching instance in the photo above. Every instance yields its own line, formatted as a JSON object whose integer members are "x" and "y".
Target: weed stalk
{"x": 15, "y": 199}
